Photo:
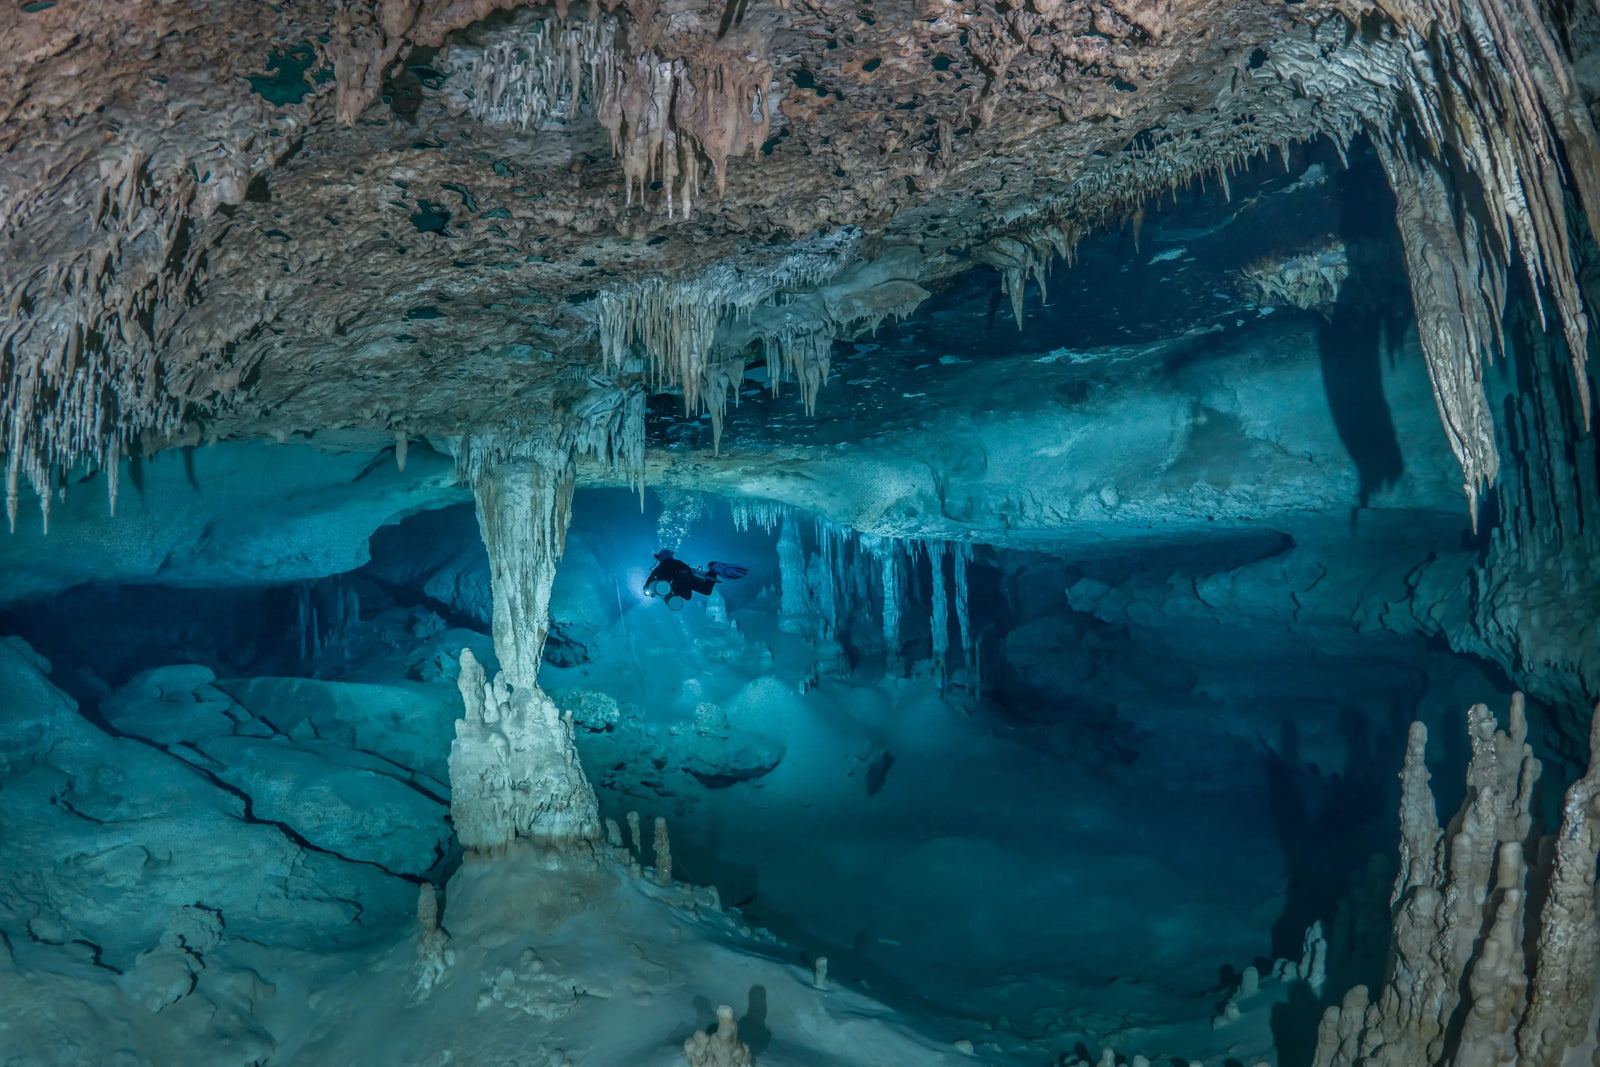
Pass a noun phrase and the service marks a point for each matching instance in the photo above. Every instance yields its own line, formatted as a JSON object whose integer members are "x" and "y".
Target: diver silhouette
{"x": 675, "y": 582}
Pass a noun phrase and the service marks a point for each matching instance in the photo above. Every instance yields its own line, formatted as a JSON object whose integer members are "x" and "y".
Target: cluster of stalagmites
{"x": 1495, "y": 936}
{"x": 514, "y": 772}
{"x": 721, "y": 1049}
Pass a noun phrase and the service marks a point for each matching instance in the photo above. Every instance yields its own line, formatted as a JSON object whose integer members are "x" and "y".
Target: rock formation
{"x": 722, "y": 1049}
{"x": 175, "y": 270}
{"x": 1463, "y": 988}
{"x": 513, "y": 770}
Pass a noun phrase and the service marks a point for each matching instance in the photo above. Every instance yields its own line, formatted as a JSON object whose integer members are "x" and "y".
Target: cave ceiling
{"x": 441, "y": 217}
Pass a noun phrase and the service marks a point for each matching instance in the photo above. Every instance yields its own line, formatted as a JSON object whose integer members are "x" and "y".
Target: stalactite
{"x": 1527, "y": 604}
{"x": 1024, "y": 255}
{"x": 886, "y": 551}
{"x": 792, "y": 606}
{"x": 722, "y": 379}
{"x": 1458, "y": 289}
{"x": 937, "y": 551}
{"x": 832, "y": 545}
{"x": 859, "y": 584}
{"x": 523, "y": 512}
{"x": 1489, "y": 87}
{"x": 806, "y": 354}
{"x": 961, "y": 559}
{"x": 608, "y": 425}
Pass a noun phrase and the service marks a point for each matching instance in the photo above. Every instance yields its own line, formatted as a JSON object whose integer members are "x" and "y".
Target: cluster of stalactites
{"x": 845, "y": 567}
{"x": 606, "y": 424}
{"x": 1310, "y": 280}
{"x": 1025, "y": 253}
{"x": 1488, "y": 84}
{"x": 895, "y": 559}
{"x": 664, "y": 115}
{"x": 804, "y": 353}
{"x": 1028, "y": 254}
{"x": 674, "y": 323}
{"x": 1289, "y": 98}
{"x": 750, "y": 511}
{"x": 1462, "y": 987}
{"x": 609, "y": 424}
{"x": 79, "y": 371}
{"x": 325, "y": 612}
{"x": 959, "y": 555}
{"x": 537, "y": 70}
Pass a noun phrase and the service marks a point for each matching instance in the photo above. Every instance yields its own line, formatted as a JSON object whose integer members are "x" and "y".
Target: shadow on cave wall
{"x": 1336, "y": 835}
{"x": 1372, "y": 308}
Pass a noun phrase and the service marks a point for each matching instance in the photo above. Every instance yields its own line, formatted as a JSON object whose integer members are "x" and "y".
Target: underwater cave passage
{"x": 978, "y": 780}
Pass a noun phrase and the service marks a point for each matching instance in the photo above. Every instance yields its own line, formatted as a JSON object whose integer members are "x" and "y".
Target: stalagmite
{"x": 633, "y": 833}
{"x": 1569, "y": 938}
{"x": 434, "y": 954}
{"x": 663, "y": 850}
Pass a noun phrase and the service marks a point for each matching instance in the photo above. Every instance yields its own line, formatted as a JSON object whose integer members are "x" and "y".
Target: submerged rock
{"x": 107, "y": 837}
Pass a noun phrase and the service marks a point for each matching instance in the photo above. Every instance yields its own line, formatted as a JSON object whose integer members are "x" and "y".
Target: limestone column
{"x": 514, "y": 772}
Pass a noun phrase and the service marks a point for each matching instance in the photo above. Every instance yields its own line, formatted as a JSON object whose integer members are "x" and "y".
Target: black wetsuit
{"x": 685, "y": 580}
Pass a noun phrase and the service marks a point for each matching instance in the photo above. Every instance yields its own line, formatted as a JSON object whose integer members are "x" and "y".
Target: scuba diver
{"x": 676, "y": 582}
